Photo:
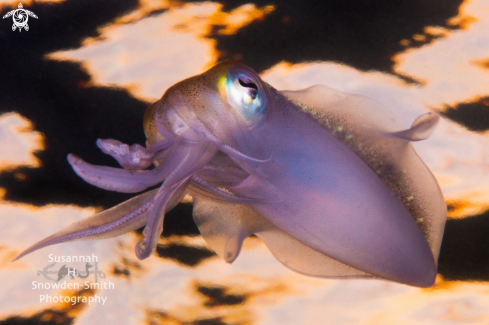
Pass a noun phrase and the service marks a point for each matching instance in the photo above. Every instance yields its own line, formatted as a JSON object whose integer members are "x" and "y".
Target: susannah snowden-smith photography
{"x": 67, "y": 278}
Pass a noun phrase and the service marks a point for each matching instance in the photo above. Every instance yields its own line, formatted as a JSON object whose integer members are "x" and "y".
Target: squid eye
{"x": 246, "y": 97}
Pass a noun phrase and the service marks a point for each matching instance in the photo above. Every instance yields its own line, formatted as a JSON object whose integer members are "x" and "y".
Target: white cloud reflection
{"x": 448, "y": 66}
{"x": 18, "y": 141}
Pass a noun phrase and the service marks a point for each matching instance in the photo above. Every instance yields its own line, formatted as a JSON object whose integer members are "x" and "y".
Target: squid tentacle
{"x": 154, "y": 225}
{"x": 194, "y": 159}
{"x": 135, "y": 157}
{"x": 104, "y": 228}
{"x": 118, "y": 179}
{"x": 125, "y": 217}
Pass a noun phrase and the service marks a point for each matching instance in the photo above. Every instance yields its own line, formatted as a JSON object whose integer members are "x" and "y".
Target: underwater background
{"x": 88, "y": 69}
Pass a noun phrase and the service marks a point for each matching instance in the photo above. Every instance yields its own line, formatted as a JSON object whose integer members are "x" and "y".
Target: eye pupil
{"x": 253, "y": 93}
{"x": 250, "y": 84}
{"x": 251, "y": 87}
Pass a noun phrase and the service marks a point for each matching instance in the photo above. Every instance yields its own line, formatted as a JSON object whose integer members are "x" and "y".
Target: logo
{"x": 20, "y": 17}
{"x": 72, "y": 272}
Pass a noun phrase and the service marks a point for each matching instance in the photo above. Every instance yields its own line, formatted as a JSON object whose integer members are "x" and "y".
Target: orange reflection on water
{"x": 18, "y": 142}
{"x": 484, "y": 63}
{"x": 15, "y": 3}
{"x": 230, "y": 22}
{"x": 436, "y": 31}
{"x": 145, "y": 8}
{"x": 468, "y": 204}
{"x": 151, "y": 54}
{"x": 445, "y": 66}
{"x": 467, "y": 14}
{"x": 239, "y": 17}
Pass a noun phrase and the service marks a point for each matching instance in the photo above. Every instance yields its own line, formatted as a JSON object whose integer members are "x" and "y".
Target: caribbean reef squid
{"x": 329, "y": 181}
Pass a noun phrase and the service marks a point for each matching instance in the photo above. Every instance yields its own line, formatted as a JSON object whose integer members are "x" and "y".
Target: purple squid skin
{"x": 334, "y": 203}
{"x": 329, "y": 181}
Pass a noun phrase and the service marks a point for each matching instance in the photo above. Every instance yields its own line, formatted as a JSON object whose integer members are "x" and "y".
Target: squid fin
{"x": 421, "y": 129}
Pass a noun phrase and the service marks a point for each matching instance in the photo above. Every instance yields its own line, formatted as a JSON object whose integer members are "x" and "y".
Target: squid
{"x": 329, "y": 181}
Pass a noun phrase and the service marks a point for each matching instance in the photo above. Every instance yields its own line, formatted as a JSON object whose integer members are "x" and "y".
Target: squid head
{"x": 329, "y": 181}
